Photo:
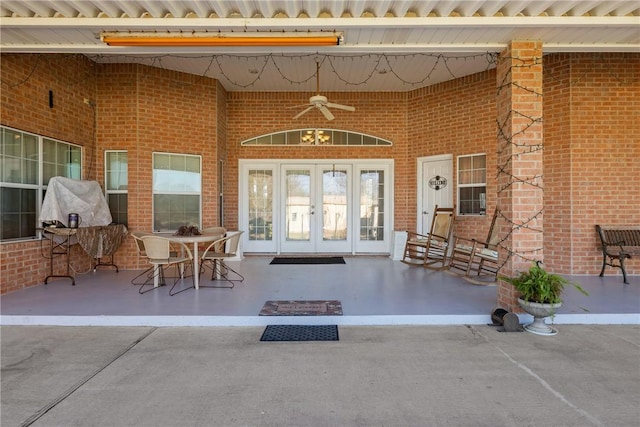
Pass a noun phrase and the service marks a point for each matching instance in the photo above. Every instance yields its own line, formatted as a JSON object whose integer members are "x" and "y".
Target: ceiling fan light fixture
{"x": 315, "y": 137}
{"x": 221, "y": 39}
{"x": 321, "y": 103}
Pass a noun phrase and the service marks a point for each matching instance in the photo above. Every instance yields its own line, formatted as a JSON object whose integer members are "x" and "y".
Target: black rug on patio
{"x": 308, "y": 260}
{"x": 300, "y": 333}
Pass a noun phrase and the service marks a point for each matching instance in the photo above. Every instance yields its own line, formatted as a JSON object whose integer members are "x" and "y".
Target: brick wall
{"x": 144, "y": 110}
{"x": 557, "y": 163}
{"x": 252, "y": 114}
{"x": 520, "y": 162}
{"x": 593, "y": 156}
{"x": 221, "y": 153}
{"x": 591, "y": 130}
{"x": 26, "y": 82}
{"x": 455, "y": 117}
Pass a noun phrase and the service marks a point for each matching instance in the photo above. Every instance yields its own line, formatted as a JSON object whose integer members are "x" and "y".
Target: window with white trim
{"x": 472, "y": 184}
{"x": 27, "y": 162}
{"x": 177, "y": 182}
{"x": 116, "y": 177}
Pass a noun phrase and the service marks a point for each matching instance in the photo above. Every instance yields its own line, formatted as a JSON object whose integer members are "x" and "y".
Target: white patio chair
{"x": 142, "y": 255}
{"x": 159, "y": 251}
{"x": 216, "y": 254}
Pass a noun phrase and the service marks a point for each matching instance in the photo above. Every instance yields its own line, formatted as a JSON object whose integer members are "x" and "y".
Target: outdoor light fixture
{"x": 314, "y": 137}
{"x": 221, "y": 39}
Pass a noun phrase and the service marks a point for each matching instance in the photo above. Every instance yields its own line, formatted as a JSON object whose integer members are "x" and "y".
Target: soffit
{"x": 388, "y": 45}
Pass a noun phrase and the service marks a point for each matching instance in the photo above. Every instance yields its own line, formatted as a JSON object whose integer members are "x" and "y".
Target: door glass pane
{"x": 334, "y": 205}
{"x": 260, "y": 205}
{"x": 298, "y": 205}
{"x": 372, "y": 205}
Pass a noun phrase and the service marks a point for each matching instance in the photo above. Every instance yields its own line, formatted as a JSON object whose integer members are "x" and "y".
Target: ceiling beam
{"x": 315, "y": 24}
{"x": 389, "y": 49}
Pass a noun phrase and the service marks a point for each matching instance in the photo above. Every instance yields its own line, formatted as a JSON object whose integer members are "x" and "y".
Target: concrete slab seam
{"x": 35, "y": 417}
{"x": 540, "y": 380}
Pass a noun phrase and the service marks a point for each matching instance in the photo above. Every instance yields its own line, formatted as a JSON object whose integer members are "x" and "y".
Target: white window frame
{"x": 107, "y": 185}
{"x": 473, "y": 184}
{"x": 157, "y": 191}
{"x": 73, "y": 171}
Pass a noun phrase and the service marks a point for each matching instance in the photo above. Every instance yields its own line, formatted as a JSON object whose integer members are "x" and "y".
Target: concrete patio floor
{"x": 372, "y": 290}
{"x": 399, "y": 376}
{"x": 414, "y": 350}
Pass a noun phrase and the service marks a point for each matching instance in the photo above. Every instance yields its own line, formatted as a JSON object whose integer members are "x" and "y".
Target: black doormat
{"x": 300, "y": 333}
{"x": 308, "y": 260}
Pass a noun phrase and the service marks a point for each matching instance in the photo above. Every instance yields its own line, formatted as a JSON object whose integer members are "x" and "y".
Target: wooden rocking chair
{"x": 431, "y": 249}
{"x": 479, "y": 256}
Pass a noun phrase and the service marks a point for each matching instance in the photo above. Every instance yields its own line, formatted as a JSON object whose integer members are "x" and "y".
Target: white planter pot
{"x": 539, "y": 312}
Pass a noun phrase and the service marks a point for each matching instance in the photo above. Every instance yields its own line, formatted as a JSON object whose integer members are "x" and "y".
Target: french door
{"x": 316, "y": 216}
{"x": 325, "y": 207}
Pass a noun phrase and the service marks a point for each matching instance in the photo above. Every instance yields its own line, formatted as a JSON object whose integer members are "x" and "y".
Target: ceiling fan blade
{"x": 326, "y": 112}
{"x": 302, "y": 112}
{"x": 298, "y": 106}
{"x": 341, "y": 107}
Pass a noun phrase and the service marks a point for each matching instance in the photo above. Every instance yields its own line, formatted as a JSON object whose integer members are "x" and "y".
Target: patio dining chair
{"x": 216, "y": 254}
{"x": 142, "y": 255}
{"x": 159, "y": 251}
{"x": 431, "y": 249}
{"x": 215, "y": 231}
{"x": 474, "y": 255}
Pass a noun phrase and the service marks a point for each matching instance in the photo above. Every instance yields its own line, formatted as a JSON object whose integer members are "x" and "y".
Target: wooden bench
{"x": 619, "y": 242}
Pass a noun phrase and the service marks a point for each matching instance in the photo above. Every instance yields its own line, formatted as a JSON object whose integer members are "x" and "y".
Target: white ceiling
{"x": 389, "y": 45}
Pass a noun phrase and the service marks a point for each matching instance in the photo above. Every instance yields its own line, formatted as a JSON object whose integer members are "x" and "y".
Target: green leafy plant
{"x": 538, "y": 285}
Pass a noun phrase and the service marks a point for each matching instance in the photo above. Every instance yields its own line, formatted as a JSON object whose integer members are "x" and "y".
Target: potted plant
{"x": 540, "y": 295}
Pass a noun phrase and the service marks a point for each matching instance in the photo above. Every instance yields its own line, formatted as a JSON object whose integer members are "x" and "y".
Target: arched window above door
{"x": 317, "y": 137}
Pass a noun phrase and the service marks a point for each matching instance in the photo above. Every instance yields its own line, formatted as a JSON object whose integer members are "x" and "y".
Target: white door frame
{"x": 316, "y": 218}
{"x": 421, "y": 161}
{"x": 276, "y": 166}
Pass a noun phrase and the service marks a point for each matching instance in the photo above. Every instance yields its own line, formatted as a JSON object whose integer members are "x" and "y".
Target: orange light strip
{"x": 220, "y": 40}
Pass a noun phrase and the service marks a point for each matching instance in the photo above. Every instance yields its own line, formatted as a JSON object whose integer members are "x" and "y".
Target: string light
{"x": 384, "y": 64}
{"x": 506, "y": 142}
{"x": 380, "y": 64}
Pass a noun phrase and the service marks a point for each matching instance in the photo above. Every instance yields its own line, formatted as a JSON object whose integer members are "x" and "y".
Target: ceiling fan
{"x": 320, "y": 101}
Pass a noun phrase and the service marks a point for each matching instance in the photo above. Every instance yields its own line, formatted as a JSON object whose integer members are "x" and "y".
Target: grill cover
{"x": 65, "y": 196}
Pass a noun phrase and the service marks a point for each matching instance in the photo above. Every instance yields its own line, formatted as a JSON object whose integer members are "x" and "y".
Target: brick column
{"x": 519, "y": 160}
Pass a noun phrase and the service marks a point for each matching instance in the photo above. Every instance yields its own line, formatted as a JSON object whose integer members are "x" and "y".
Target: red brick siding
{"x": 145, "y": 110}
{"x": 252, "y": 114}
{"x": 221, "y": 185}
{"x": 590, "y": 121}
{"x": 595, "y": 154}
{"x": 26, "y": 82}
{"x": 455, "y": 117}
{"x": 520, "y": 160}
{"x": 557, "y": 163}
